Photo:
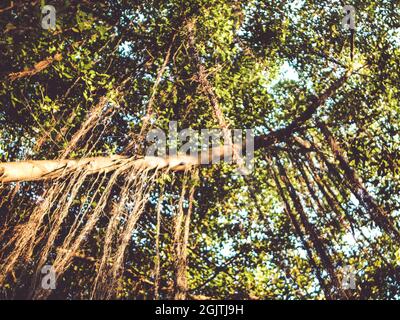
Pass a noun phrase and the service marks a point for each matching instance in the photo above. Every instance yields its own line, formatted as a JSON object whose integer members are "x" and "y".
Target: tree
{"x": 79, "y": 193}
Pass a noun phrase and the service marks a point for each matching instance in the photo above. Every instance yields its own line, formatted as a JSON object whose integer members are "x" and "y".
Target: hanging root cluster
{"x": 71, "y": 209}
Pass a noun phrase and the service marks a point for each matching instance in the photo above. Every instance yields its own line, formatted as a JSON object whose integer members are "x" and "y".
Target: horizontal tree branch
{"x": 34, "y": 170}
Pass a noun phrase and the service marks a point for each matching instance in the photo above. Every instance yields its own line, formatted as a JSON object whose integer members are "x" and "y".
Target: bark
{"x": 34, "y": 170}
{"x": 208, "y": 90}
{"x": 150, "y": 105}
{"x": 307, "y": 246}
{"x": 378, "y": 214}
{"x": 315, "y": 237}
{"x": 202, "y": 79}
{"x": 38, "y": 67}
{"x": 157, "y": 260}
{"x": 312, "y": 106}
{"x": 181, "y": 238}
{"x": 325, "y": 187}
{"x": 17, "y": 4}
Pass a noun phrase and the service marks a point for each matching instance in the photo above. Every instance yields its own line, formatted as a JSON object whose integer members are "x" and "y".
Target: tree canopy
{"x": 323, "y": 196}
